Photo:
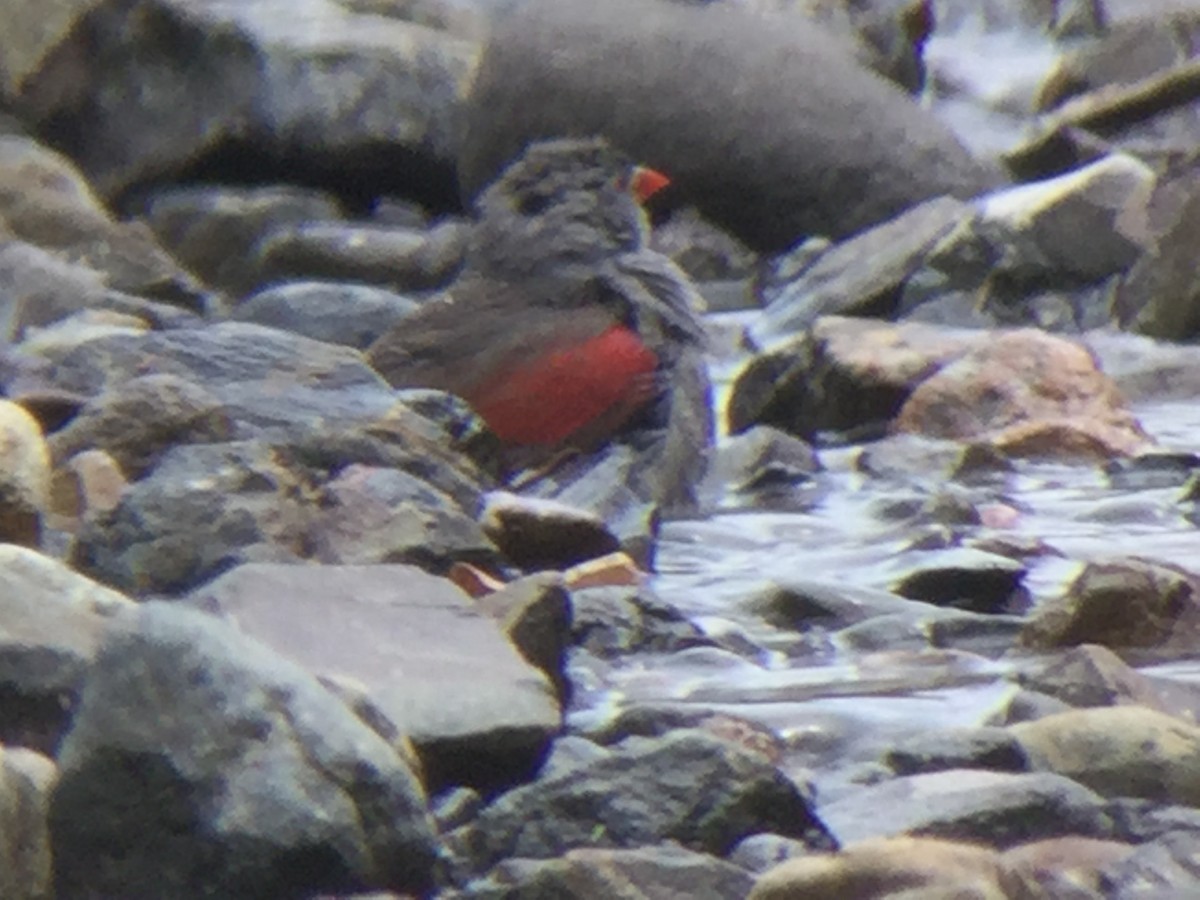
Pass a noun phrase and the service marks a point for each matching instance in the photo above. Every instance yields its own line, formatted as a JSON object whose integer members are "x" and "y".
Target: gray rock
{"x": 1160, "y": 294}
{"x": 206, "y": 508}
{"x": 863, "y": 275}
{"x": 821, "y": 144}
{"x": 215, "y": 229}
{"x": 1074, "y": 227}
{"x": 350, "y": 314}
{"x": 443, "y": 673}
{"x": 967, "y": 748}
{"x": 45, "y": 202}
{"x": 997, "y": 808}
{"x": 238, "y": 772}
{"x": 704, "y": 793}
{"x": 1165, "y": 869}
{"x": 267, "y": 380}
{"x": 611, "y": 622}
{"x": 315, "y": 86}
{"x": 52, "y": 620}
{"x": 380, "y": 515}
{"x": 402, "y": 259}
{"x": 139, "y": 420}
{"x": 968, "y": 579}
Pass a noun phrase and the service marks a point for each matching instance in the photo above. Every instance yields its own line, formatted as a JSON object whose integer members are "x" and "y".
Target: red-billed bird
{"x": 563, "y": 326}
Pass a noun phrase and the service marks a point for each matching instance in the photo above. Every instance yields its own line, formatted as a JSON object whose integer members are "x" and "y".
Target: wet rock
{"x": 801, "y": 604}
{"x": 1164, "y": 868}
{"x": 1027, "y": 706}
{"x": 752, "y": 95}
{"x": 24, "y": 476}
{"x": 1150, "y": 116}
{"x": 322, "y": 89}
{"x": 586, "y": 873}
{"x": 26, "y": 780}
{"x": 44, "y": 201}
{"x": 1126, "y": 52}
{"x": 266, "y": 379}
{"x": 687, "y": 787}
{"x": 1124, "y": 603}
{"x": 370, "y": 514}
{"x": 642, "y": 720}
{"x": 968, "y": 748}
{"x": 238, "y": 771}
{"x": 535, "y": 613}
{"x": 967, "y": 579}
{"x": 863, "y": 275}
{"x": 611, "y": 622}
{"x": 398, "y": 258}
{"x": 898, "y": 867}
{"x": 544, "y": 534}
{"x": 765, "y": 467}
{"x": 456, "y": 807}
{"x": 1141, "y": 821}
{"x": 999, "y": 808}
{"x": 1160, "y": 295}
{"x": 214, "y": 229}
{"x": 52, "y": 620}
{"x": 1122, "y": 751}
{"x": 1091, "y": 675}
{"x": 203, "y": 510}
{"x": 1152, "y": 470}
{"x": 337, "y": 313}
{"x": 1070, "y": 228}
{"x": 1028, "y": 394}
{"x": 443, "y": 673}
{"x": 848, "y": 376}
{"x": 137, "y": 421}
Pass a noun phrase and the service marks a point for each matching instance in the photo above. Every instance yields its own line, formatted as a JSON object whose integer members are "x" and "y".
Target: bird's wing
{"x": 461, "y": 338}
{"x": 660, "y": 293}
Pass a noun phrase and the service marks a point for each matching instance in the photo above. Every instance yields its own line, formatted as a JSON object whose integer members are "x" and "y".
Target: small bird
{"x": 563, "y": 327}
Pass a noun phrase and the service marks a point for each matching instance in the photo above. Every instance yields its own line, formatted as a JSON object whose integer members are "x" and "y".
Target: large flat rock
{"x": 442, "y": 672}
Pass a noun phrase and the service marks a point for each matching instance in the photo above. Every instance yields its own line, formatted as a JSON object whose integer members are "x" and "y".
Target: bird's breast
{"x": 546, "y": 398}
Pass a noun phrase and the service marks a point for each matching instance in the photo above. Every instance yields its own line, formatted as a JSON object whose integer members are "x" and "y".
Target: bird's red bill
{"x": 646, "y": 182}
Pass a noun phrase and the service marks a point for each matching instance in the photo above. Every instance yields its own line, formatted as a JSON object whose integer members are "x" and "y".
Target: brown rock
{"x": 535, "y": 613}
{"x": 26, "y": 779}
{"x": 1073, "y": 859}
{"x": 1119, "y": 751}
{"x": 88, "y": 484}
{"x": 1029, "y": 394}
{"x": 877, "y": 869}
{"x": 1128, "y": 603}
{"x": 842, "y": 375}
{"x": 24, "y": 476}
{"x": 536, "y": 533}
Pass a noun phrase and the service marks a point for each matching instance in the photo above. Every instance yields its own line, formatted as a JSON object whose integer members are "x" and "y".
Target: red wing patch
{"x": 549, "y": 398}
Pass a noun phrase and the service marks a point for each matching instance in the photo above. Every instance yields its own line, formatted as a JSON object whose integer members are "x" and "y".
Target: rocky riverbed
{"x": 926, "y": 628}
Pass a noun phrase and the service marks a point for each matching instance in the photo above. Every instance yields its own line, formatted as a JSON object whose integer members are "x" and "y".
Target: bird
{"x": 562, "y": 328}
